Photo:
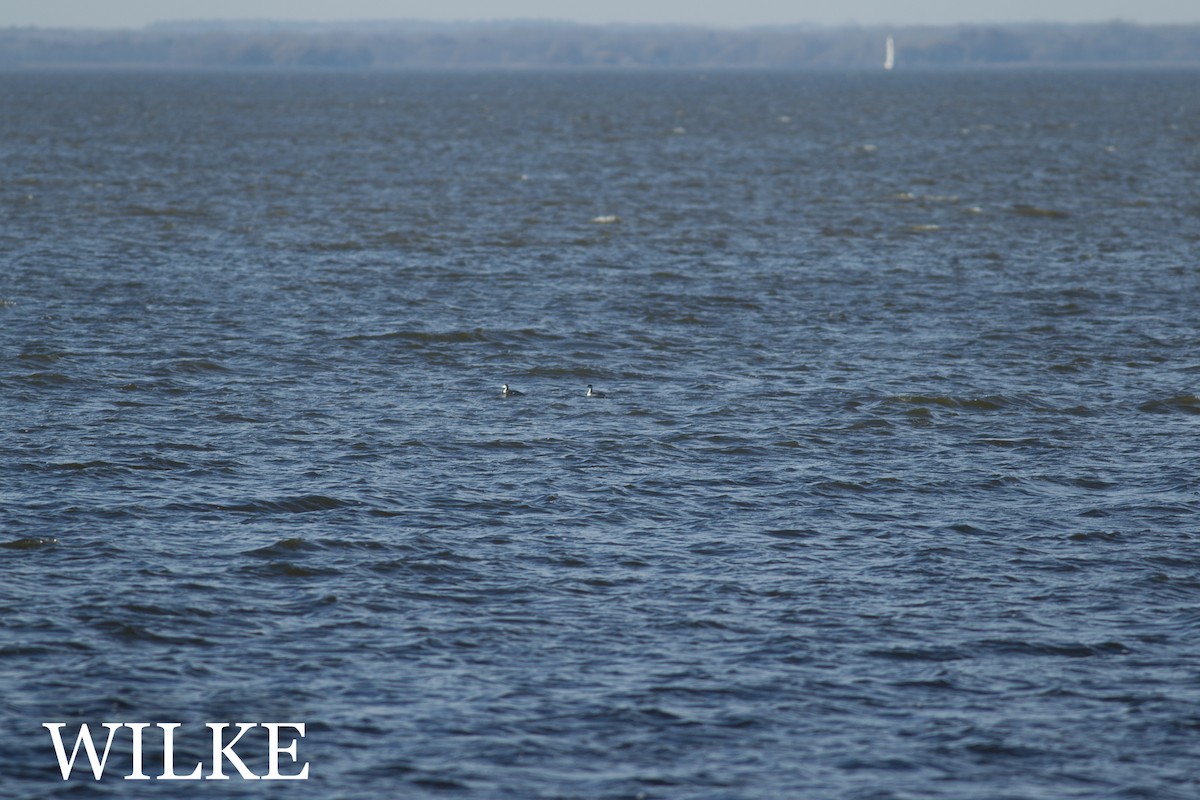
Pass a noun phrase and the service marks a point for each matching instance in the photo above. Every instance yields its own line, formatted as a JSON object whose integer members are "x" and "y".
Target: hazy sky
{"x": 731, "y": 13}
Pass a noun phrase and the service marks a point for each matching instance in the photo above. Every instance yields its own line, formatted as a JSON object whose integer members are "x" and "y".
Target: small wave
{"x": 1025, "y": 442}
{"x": 1186, "y": 403}
{"x": 840, "y": 487}
{"x": 282, "y": 546}
{"x": 440, "y": 784}
{"x": 199, "y": 366}
{"x": 730, "y": 301}
{"x": 792, "y": 533}
{"x": 126, "y": 632}
{"x": 843, "y": 232}
{"x": 1091, "y": 484}
{"x": 226, "y": 416}
{"x": 410, "y": 565}
{"x": 289, "y": 505}
{"x": 298, "y": 544}
{"x": 698, "y": 623}
{"x": 505, "y": 444}
{"x": 920, "y": 654}
{"x": 186, "y": 446}
{"x": 1003, "y": 750}
{"x": 42, "y": 356}
{"x": 1067, "y": 650}
{"x": 401, "y": 239}
{"x": 79, "y": 466}
{"x": 1089, "y": 536}
{"x": 154, "y": 463}
{"x": 347, "y": 246}
{"x": 29, "y": 543}
{"x": 167, "y": 611}
{"x": 286, "y": 569}
{"x": 989, "y": 403}
{"x": 97, "y": 466}
{"x": 874, "y": 423}
{"x": 578, "y": 373}
{"x": 169, "y": 211}
{"x": 26, "y": 651}
{"x": 423, "y": 337}
{"x": 473, "y": 335}
{"x": 43, "y": 379}
{"x": 1020, "y": 209}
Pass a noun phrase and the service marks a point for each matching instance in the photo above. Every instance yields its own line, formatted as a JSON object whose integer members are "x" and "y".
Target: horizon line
{"x": 567, "y": 23}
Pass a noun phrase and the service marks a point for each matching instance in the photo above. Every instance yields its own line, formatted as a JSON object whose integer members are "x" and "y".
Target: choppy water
{"x": 894, "y": 493}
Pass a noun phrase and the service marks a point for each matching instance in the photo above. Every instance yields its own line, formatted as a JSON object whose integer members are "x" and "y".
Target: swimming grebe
{"x": 593, "y": 393}
{"x": 507, "y": 392}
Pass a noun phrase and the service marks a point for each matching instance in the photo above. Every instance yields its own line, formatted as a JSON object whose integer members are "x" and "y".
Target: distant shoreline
{"x": 265, "y": 45}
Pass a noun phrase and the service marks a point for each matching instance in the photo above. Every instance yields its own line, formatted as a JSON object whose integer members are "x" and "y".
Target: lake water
{"x": 894, "y": 492}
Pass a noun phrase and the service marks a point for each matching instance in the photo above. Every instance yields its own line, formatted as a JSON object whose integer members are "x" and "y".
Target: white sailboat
{"x": 889, "y": 58}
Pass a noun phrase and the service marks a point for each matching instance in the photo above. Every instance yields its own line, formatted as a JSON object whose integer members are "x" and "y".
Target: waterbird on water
{"x": 593, "y": 393}
{"x": 507, "y": 392}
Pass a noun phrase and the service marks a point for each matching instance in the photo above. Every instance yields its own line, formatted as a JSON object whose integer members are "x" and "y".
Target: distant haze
{"x": 137, "y": 13}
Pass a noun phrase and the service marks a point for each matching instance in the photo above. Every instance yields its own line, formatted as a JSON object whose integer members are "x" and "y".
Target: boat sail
{"x": 889, "y": 58}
